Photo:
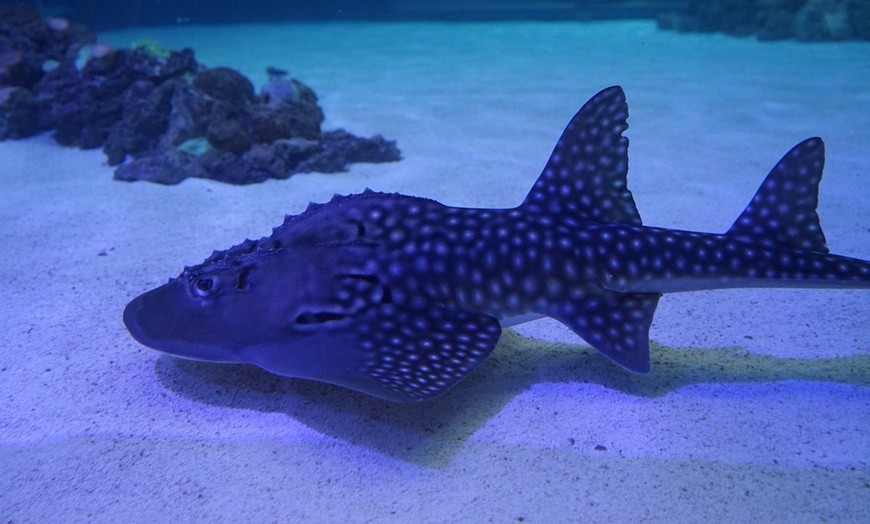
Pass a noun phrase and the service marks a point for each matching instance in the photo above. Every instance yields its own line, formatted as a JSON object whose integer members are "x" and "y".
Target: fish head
{"x": 279, "y": 309}
{"x": 316, "y": 270}
{"x": 315, "y": 300}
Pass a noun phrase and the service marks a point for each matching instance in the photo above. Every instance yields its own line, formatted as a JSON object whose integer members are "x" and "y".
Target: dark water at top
{"x": 95, "y": 13}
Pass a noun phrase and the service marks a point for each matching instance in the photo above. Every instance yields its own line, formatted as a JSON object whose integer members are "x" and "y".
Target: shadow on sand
{"x": 429, "y": 434}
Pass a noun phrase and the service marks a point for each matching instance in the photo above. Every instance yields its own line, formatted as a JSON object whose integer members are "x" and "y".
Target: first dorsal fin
{"x": 586, "y": 174}
{"x": 783, "y": 211}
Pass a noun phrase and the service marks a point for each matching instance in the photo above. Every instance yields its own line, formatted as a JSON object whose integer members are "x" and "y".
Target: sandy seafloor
{"x": 758, "y": 405}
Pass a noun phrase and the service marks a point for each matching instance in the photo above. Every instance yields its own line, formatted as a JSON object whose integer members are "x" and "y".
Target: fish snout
{"x": 146, "y": 318}
{"x": 168, "y": 320}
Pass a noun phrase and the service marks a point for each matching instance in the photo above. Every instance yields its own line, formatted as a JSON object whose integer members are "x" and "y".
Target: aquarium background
{"x": 758, "y": 404}
{"x": 103, "y": 14}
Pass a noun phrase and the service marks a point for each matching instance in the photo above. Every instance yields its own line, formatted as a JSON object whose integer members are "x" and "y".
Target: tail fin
{"x": 586, "y": 174}
{"x": 783, "y": 211}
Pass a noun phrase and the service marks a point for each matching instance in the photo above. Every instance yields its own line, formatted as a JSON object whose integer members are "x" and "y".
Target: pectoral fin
{"x": 410, "y": 354}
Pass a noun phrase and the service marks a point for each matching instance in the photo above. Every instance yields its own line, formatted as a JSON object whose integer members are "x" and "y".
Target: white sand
{"x": 758, "y": 406}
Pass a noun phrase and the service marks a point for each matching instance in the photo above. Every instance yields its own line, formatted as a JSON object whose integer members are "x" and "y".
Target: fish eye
{"x": 205, "y": 286}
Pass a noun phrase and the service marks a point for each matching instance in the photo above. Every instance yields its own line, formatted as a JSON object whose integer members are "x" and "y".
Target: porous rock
{"x": 164, "y": 118}
{"x": 807, "y": 20}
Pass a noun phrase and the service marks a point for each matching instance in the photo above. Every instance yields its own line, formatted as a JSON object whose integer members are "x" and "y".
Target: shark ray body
{"x": 400, "y": 297}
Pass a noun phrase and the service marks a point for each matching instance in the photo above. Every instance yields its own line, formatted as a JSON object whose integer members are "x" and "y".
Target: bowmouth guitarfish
{"x": 401, "y": 297}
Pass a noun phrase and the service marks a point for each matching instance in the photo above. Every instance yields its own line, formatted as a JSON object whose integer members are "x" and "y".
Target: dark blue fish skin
{"x": 400, "y": 297}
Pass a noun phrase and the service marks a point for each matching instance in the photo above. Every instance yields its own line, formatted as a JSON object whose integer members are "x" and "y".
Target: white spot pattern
{"x": 783, "y": 211}
{"x": 575, "y": 250}
{"x": 416, "y": 364}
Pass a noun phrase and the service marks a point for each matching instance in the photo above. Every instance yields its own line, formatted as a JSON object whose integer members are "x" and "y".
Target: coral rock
{"x": 163, "y": 117}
